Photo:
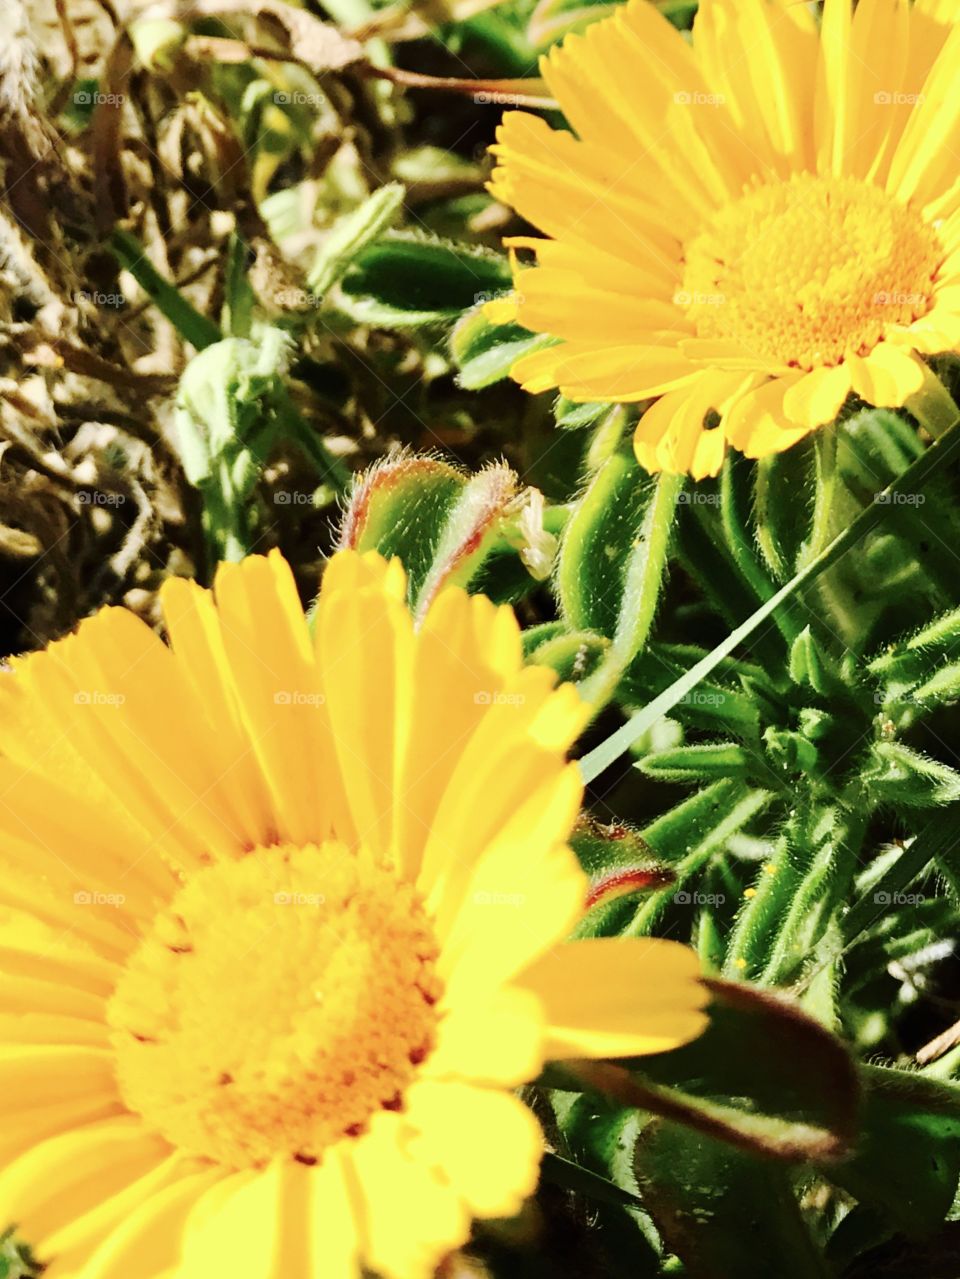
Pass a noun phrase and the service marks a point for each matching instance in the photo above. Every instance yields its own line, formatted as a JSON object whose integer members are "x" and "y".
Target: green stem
{"x": 933, "y": 406}
{"x": 912, "y": 479}
{"x": 825, "y": 449}
{"x": 740, "y": 541}
{"x": 641, "y": 592}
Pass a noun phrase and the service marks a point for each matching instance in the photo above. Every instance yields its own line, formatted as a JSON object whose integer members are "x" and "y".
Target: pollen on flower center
{"x": 276, "y": 1005}
{"x": 802, "y": 272}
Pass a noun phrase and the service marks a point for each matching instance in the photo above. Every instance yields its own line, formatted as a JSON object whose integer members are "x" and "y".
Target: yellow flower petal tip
{"x": 283, "y": 913}
{"x": 501, "y": 310}
{"x": 746, "y": 227}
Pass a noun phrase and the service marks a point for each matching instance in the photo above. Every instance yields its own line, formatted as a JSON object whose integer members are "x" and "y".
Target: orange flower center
{"x": 276, "y": 1005}
{"x": 802, "y": 272}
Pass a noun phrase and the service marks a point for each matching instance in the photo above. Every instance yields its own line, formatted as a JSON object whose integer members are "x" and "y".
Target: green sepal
{"x": 16, "y": 1258}
{"x": 449, "y": 528}
{"x": 484, "y": 353}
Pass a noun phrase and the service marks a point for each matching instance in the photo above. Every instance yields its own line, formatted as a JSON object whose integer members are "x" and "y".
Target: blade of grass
{"x": 912, "y": 479}
{"x": 193, "y": 327}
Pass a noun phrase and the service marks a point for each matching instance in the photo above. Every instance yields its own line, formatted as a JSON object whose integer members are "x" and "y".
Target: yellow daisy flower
{"x": 282, "y": 923}
{"x": 749, "y": 225}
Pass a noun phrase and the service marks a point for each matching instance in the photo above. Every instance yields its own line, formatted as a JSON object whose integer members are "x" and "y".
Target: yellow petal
{"x": 410, "y": 1218}
{"x": 285, "y": 1221}
{"x": 507, "y": 793}
{"x": 887, "y": 377}
{"x": 924, "y": 165}
{"x": 578, "y": 192}
{"x": 364, "y": 638}
{"x": 48, "y": 1089}
{"x": 274, "y": 674}
{"x": 671, "y": 435}
{"x": 486, "y": 1144}
{"x": 501, "y": 310}
{"x": 519, "y": 902}
{"x": 618, "y": 997}
{"x": 465, "y": 652}
{"x": 149, "y": 1239}
{"x": 496, "y": 1039}
{"x": 585, "y": 372}
{"x": 818, "y": 397}
{"x": 832, "y": 111}
{"x": 61, "y": 1179}
{"x": 757, "y": 424}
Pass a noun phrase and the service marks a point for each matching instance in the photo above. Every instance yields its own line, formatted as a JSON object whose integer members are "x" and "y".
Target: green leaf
{"x": 353, "y": 233}
{"x": 226, "y": 423}
{"x": 689, "y": 836}
{"x": 564, "y": 1172}
{"x": 700, "y": 762}
{"x": 722, "y": 1212}
{"x": 484, "y": 353}
{"x": 907, "y": 1159}
{"x": 599, "y": 542}
{"x": 612, "y": 561}
{"x": 620, "y": 865}
{"x": 937, "y": 841}
{"x": 764, "y": 1077}
{"x": 782, "y": 500}
{"x": 407, "y": 280}
{"x": 897, "y": 775}
{"x": 572, "y": 654}
{"x": 570, "y": 415}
